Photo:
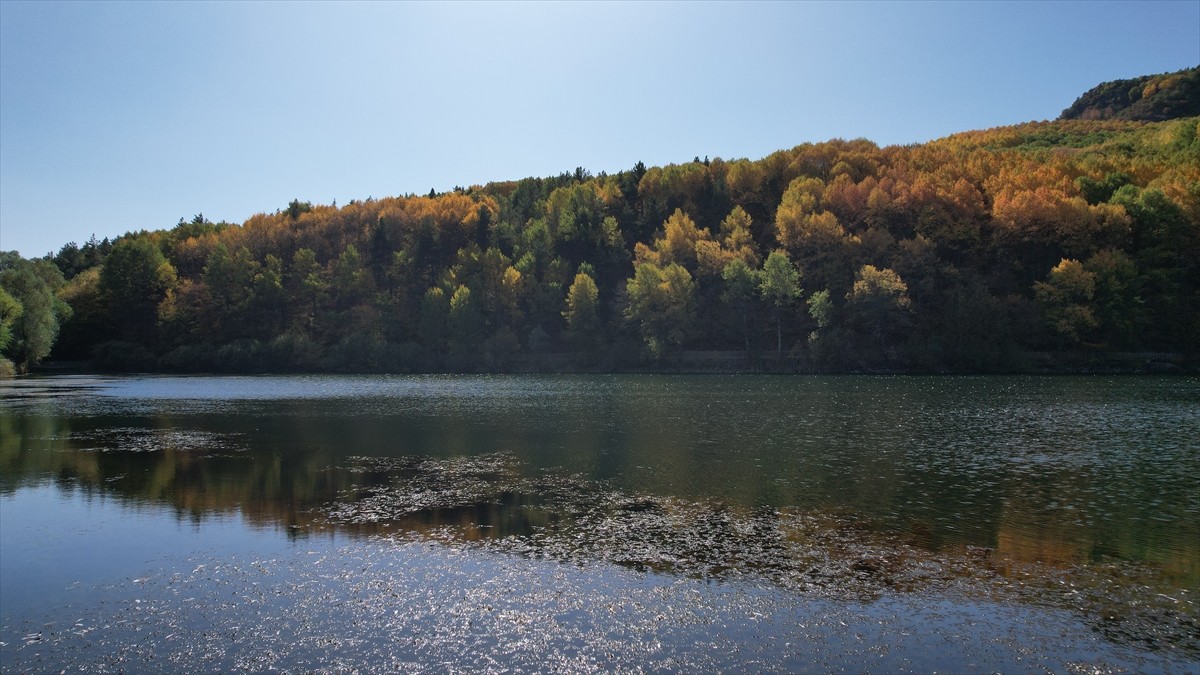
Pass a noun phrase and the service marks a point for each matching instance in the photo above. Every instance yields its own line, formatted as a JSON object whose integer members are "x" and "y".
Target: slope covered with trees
{"x": 961, "y": 254}
{"x": 1152, "y": 98}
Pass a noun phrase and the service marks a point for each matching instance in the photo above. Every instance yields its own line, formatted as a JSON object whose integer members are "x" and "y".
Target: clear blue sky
{"x": 127, "y": 116}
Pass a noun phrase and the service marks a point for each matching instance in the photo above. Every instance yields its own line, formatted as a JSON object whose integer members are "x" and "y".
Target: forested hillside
{"x": 960, "y": 254}
{"x": 1152, "y": 98}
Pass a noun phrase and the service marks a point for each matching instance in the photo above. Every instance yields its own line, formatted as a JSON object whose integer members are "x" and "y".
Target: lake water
{"x": 584, "y": 523}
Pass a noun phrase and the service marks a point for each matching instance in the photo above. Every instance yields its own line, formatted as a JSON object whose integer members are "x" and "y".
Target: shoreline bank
{"x": 745, "y": 363}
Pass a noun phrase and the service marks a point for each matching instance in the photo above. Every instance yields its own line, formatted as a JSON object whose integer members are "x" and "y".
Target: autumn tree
{"x": 678, "y": 244}
{"x": 1066, "y": 298}
{"x": 813, "y": 235}
{"x": 878, "y": 311}
{"x": 736, "y": 241}
{"x": 581, "y": 313}
{"x": 662, "y": 303}
{"x": 737, "y": 238}
{"x": 466, "y": 326}
{"x": 801, "y": 223}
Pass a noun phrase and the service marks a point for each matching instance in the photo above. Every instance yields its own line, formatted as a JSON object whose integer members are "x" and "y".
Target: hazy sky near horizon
{"x": 125, "y": 116}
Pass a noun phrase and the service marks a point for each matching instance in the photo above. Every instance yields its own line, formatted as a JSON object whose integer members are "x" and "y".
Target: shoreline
{"x": 735, "y": 363}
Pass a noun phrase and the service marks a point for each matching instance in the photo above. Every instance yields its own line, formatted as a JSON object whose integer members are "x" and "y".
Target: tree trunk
{"x": 745, "y": 329}
{"x": 778, "y": 334}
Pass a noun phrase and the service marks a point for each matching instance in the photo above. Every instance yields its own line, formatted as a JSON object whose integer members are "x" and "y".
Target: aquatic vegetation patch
{"x": 140, "y": 439}
{"x": 392, "y": 488}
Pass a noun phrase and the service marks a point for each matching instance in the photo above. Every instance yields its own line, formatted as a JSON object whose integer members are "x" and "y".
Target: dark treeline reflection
{"x": 1054, "y": 470}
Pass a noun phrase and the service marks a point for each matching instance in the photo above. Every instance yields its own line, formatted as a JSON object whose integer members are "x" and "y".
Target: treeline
{"x": 956, "y": 255}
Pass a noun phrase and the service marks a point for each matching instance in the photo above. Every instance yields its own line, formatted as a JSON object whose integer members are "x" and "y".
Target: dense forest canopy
{"x": 1152, "y": 98}
{"x": 960, "y": 254}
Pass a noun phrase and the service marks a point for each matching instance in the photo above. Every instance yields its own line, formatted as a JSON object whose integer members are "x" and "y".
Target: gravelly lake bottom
{"x": 584, "y": 578}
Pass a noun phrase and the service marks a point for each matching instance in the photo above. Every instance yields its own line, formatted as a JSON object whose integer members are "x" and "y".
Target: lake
{"x": 600, "y": 523}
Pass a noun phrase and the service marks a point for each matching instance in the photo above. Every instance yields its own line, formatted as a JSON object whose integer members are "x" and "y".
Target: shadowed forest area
{"x": 963, "y": 254}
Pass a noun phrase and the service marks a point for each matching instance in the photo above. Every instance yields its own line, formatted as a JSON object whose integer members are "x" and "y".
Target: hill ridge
{"x": 1151, "y": 98}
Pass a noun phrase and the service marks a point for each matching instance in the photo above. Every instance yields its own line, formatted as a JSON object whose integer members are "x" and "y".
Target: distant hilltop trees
{"x": 1152, "y": 98}
{"x": 961, "y": 254}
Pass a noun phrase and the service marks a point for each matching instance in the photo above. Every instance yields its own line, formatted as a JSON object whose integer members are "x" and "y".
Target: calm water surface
{"x": 600, "y": 522}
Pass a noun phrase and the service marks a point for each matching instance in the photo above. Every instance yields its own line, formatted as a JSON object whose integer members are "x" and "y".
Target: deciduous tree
{"x": 662, "y": 302}
{"x": 878, "y": 309}
{"x": 1066, "y": 298}
{"x": 583, "y": 320}
{"x": 779, "y": 283}
{"x": 136, "y": 277}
